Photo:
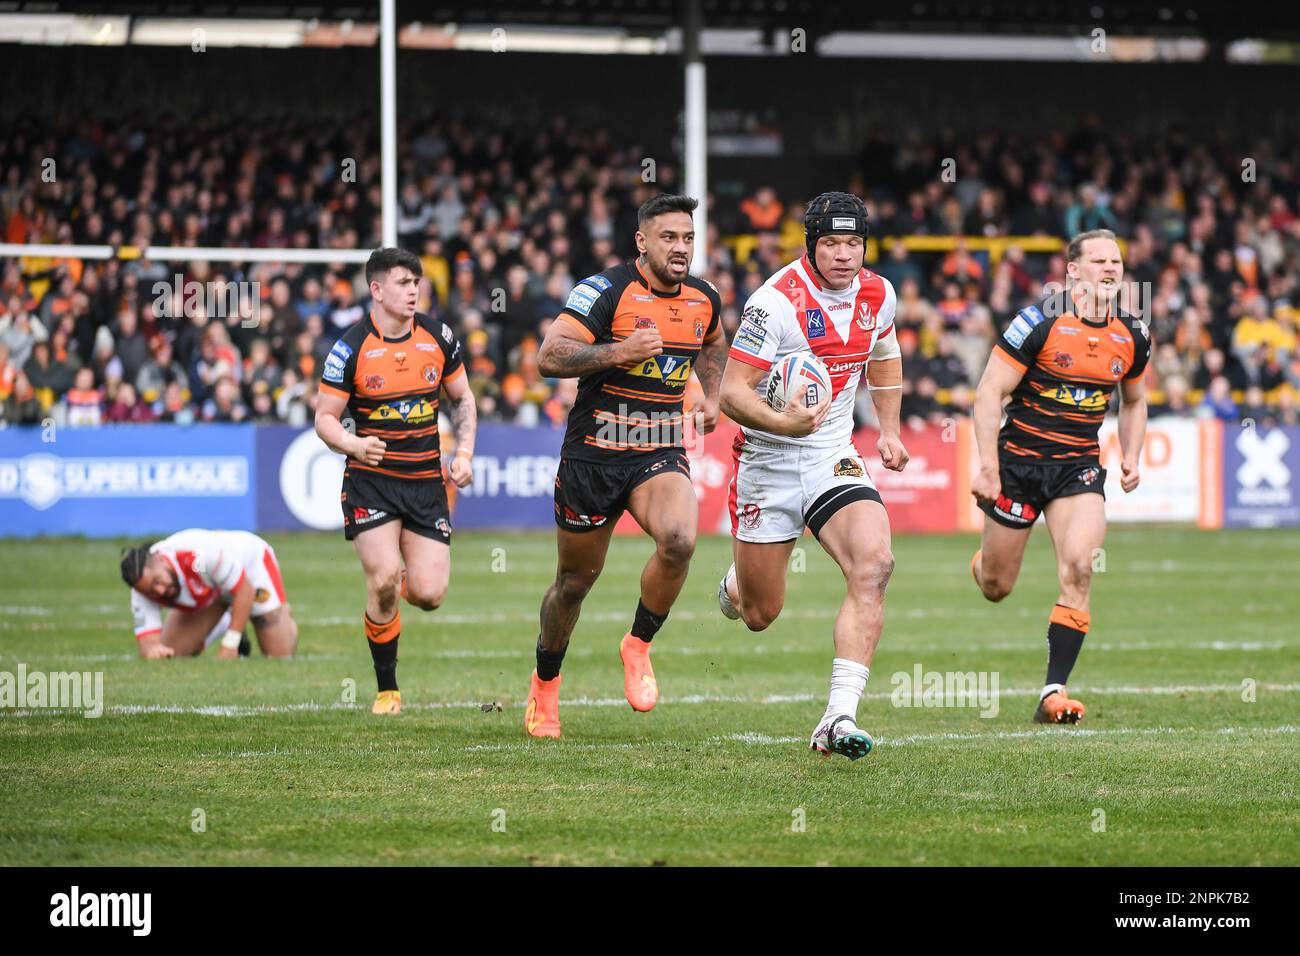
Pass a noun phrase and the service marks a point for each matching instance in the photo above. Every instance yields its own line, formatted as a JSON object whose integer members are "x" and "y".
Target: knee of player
{"x": 386, "y": 587}
{"x": 572, "y": 588}
{"x": 425, "y": 600}
{"x": 870, "y": 575}
{"x": 1076, "y": 573}
{"x": 676, "y": 546}
{"x": 757, "y": 616}
{"x": 993, "y": 588}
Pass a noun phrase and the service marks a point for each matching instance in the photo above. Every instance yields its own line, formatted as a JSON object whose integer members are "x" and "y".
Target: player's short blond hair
{"x": 1074, "y": 251}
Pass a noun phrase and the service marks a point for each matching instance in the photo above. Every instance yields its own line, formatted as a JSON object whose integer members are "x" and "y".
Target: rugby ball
{"x": 800, "y": 377}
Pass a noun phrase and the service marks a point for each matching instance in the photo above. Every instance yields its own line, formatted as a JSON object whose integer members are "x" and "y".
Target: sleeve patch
{"x": 582, "y": 299}
{"x": 334, "y": 370}
{"x": 749, "y": 338}
{"x": 1017, "y": 331}
{"x": 1033, "y": 315}
{"x": 599, "y": 281}
{"x": 336, "y": 363}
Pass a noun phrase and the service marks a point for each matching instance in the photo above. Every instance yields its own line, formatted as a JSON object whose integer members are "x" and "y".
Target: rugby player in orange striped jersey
{"x": 384, "y": 375}
{"x": 1059, "y": 361}
{"x": 632, "y": 336}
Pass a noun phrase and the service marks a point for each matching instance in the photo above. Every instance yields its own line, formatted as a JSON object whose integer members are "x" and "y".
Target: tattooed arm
{"x": 464, "y": 421}
{"x": 566, "y": 353}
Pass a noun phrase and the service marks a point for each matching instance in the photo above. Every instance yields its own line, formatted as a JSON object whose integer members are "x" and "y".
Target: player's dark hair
{"x": 382, "y": 261}
{"x": 133, "y": 562}
{"x": 662, "y": 204}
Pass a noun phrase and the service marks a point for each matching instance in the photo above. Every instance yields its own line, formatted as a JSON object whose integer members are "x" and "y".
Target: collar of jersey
{"x": 645, "y": 281}
{"x": 370, "y": 317}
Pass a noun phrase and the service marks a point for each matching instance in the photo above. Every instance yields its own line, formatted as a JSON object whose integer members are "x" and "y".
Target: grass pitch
{"x": 1177, "y": 762}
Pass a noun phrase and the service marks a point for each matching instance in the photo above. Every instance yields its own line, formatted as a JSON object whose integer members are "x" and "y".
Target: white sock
{"x": 218, "y": 632}
{"x": 848, "y": 681}
{"x": 1050, "y": 689}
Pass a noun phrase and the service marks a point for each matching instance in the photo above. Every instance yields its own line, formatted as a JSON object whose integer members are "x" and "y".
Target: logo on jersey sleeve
{"x": 816, "y": 323}
{"x": 1026, "y": 321}
{"x": 672, "y": 369}
{"x": 336, "y": 362}
{"x": 752, "y": 332}
{"x": 582, "y": 298}
{"x": 599, "y": 281}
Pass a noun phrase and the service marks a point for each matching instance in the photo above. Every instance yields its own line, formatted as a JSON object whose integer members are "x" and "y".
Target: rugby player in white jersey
{"x": 214, "y": 583}
{"x": 799, "y": 468}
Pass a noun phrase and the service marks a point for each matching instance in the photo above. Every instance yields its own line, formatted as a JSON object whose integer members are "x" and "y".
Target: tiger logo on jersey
{"x": 1088, "y": 399}
{"x": 407, "y": 411}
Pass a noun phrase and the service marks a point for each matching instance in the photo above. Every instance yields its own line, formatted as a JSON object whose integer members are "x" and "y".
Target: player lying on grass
{"x": 631, "y": 335}
{"x": 1059, "y": 361}
{"x": 799, "y": 468}
{"x": 214, "y": 583}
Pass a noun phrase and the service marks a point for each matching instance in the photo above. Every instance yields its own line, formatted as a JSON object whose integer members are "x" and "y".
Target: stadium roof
{"x": 1212, "y": 19}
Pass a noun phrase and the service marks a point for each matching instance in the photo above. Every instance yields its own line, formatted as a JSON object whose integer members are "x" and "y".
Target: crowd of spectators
{"x": 507, "y": 220}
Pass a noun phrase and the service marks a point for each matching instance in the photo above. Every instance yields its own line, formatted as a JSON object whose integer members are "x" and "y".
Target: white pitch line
{"x": 1047, "y": 732}
{"x": 253, "y": 710}
{"x": 766, "y": 740}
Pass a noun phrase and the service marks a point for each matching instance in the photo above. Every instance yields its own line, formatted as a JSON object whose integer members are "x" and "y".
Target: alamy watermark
{"x": 219, "y": 300}
{"x": 67, "y": 690}
{"x": 922, "y": 688}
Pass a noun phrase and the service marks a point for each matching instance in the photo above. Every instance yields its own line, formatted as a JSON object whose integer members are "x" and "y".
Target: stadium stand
{"x": 506, "y": 217}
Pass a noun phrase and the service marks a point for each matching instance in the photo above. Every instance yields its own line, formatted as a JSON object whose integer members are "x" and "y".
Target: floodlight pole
{"x": 695, "y": 129}
{"x": 388, "y": 117}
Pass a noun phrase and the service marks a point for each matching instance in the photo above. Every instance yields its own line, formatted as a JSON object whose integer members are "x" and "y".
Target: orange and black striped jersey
{"x": 631, "y": 411}
{"x": 1070, "y": 368}
{"x": 392, "y": 390}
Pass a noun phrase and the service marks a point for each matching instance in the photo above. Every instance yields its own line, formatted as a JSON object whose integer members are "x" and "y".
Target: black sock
{"x": 385, "y": 658}
{"x": 548, "y": 662}
{"x": 646, "y": 623}
{"x": 384, "y": 653}
{"x": 1065, "y": 634}
{"x": 245, "y": 646}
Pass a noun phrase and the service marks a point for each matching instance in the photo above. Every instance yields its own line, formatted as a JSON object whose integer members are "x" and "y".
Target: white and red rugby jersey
{"x": 846, "y": 329}
{"x": 208, "y": 564}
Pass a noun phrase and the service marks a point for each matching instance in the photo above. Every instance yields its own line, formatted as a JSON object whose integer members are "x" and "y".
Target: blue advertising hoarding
{"x": 153, "y": 479}
{"x": 514, "y": 479}
{"x": 299, "y": 479}
{"x": 125, "y": 479}
{"x": 1261, "y": 477}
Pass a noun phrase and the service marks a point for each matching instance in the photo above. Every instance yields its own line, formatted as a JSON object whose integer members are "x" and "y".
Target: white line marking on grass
{"x": 766, "y": 740}
{"x": 253, "y": 710}
{"x": 1046, "y": 732}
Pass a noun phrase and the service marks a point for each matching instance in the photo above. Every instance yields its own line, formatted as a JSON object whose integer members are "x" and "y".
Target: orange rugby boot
{"x": 639, "y": 682}
{"x": 1058, "y": 708}
{"x": 542, "y": 713}
{"x": 387, "y": 702}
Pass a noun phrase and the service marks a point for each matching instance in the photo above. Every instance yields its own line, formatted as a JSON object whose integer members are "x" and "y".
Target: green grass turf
{"x": 1184, "y": 770}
